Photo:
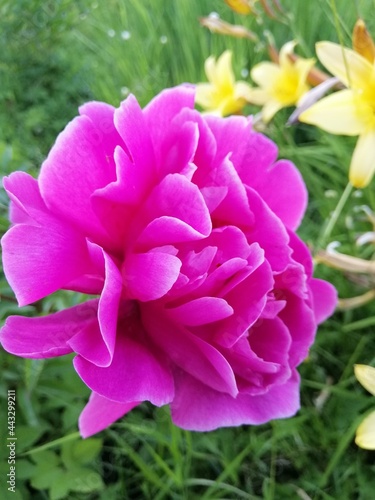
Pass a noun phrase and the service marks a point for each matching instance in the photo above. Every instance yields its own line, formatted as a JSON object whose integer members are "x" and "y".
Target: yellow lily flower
{"x": 365, "y": 435}
{"x": 282, "y": 84}
{"x": 222, "y": 95}
{"x": 350, "y": 111}
{"x": 241, "y": 6}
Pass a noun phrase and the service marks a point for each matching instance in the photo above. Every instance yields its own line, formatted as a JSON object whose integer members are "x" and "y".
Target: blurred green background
{"x": 55, "y": 55}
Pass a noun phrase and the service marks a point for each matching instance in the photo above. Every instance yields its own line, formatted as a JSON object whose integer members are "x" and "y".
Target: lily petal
{"x": 341, "y": 113}
{"x": 362, "y": 166}
{"x": 365, "y": 435}
{"x": 366, "y": 377}
{"x": 270, "y": 109}
{"x": 224, "y": 72}
{"x": 265, "y": 73}
{"x": 351, "y": 68}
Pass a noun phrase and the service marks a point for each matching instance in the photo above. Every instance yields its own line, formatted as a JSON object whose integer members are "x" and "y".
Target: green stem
{"x": 334, "y": 216}
{"x": 52, "y": 444}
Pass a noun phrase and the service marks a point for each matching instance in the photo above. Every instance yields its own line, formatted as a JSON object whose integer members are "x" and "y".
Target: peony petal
{"x": 366, "y": 377}
{"x": 269, "y": 232}
{"x": 167, "y": 230}
{"x": 362, "y": 166}
{"x": 189, "y": 352}
{"x": 100, "y": 413}
{"x": 101, "y": 115}
{"x": 275, "y": 187}
{"x": 161, "y": 110}
{"x": 301, "y": 253}
{"x": 248, "y": 300}
{"x": 97, "y": 342}
{"x": 343, "y": 112}
{"x": 27, "y": 205}
{"x": 201, "y": 311}
{"x": 135, "y": 374}
{"x": 149, "y": 276}
{"x": 299, "y": 318}
{"x": 365, "y": 435}
{"x": 131, "y": 125}
{"x": 175, "y": 197}
{"x": 234, "y": 209}
{"x": 46, "y": 336}
{"x": 176, "y": 152}
{"x": 76, "y": 166}
{"x": 31, "y": 275}
{"x": 212, "y": 409}
{"x": 350, "y": 67}
{"x": 324, "y": 299}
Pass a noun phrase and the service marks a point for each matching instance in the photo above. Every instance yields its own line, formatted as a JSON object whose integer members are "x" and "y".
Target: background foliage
{"x": 55, "y": 55}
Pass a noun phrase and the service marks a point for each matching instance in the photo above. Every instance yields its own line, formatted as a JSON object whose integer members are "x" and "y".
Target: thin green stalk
{"x": 334, "y": 216}
{"x": 52, "y": 444}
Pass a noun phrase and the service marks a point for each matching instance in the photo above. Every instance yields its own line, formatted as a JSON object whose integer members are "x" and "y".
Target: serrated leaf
{"x": 86, "y": 450}
{"x": 84, "y": 480}
{"x": 45, "y": 477}
{"x": 60, "y": 487}
{"x": 25, "y": 469}
{"x": 26, "y": 436}
{"x": 45, "y": 457}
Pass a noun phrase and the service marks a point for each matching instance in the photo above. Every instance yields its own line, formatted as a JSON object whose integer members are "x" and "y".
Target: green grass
{"x": 57, "y": 55}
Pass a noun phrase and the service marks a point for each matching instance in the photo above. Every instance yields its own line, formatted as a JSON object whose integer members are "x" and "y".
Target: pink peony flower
{"x": 183, "y": 226}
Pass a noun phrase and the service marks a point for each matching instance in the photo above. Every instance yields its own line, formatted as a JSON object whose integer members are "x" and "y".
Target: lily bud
{"x": 362, "y": 41}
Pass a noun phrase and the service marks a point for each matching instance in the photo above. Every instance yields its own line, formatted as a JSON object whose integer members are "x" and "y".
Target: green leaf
{"x": 84, "y": 480}
{"x": 46, "y": 476}
{"x": 60, "y": 487}
{"x": 86, "y": 450}
{"x": 46, "y": 457}
{"x": 26, "y": 436}
{"x": 25, "y": 469}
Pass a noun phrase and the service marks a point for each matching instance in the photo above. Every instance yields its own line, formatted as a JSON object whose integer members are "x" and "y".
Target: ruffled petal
{"x": 47, "y": 336}
{"x": 149, "y": 276}
{"x": 190, "y": 353}
{"x": 31, "y": 275}
{"x": 76, "y": 166}
{"x": 97, "y": 342}
{"x": 131, "y": 125}
{"x": 99, "y": 413}
{"x": 201, "y": 311}
{"x": 135, "y": 374}
{"x": 269, "y": 232}
{"x": 160, "y": 111}
{"x": 275, "y": 186}
{"x": 212, "y": 409}
{"x": 324, "y": 299}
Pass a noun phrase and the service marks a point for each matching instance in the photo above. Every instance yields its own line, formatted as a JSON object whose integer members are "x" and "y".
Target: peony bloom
{"x": 183, "y": 227}
{"x": 223, "y": 95}
{"x": 350, "y": 111}
{"x": 365, "y": 435}
{"x": 280, "y": 85}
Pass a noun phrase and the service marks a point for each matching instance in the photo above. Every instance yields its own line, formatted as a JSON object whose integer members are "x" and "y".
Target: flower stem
{"x": 334, "y": 216}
